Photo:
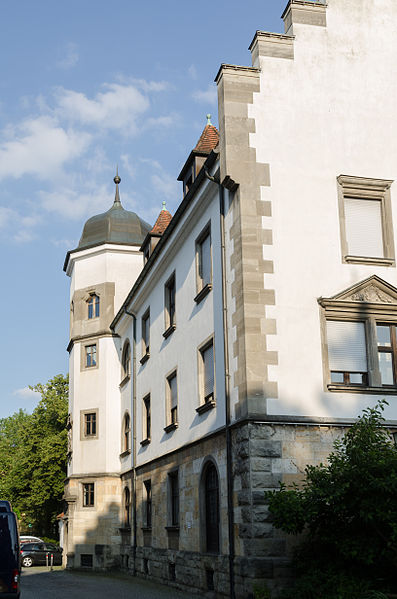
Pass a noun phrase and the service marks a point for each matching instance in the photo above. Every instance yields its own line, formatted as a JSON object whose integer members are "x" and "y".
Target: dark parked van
{"x": 10, "y": 567}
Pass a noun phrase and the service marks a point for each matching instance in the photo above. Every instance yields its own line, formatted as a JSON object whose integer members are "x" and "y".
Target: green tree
{"x": 33, "y": 457}
{"x": 348, "y": 512}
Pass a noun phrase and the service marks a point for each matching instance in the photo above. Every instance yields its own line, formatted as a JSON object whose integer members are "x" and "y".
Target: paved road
{"x": 38, "y": 583}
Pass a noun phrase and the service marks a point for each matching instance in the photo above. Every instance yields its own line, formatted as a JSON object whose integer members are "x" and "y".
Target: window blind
{"x": 364, "y": 227}
{"x": 346, "y": 346}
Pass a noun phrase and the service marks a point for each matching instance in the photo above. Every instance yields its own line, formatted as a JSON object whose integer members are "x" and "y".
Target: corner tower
{"x": 102, "y": 269}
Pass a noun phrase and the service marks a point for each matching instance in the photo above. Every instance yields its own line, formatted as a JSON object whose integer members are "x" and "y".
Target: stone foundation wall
{"x": 264, "y": 455}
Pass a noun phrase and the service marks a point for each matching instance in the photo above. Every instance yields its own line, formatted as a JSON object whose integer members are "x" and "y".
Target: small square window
{"x": 88, "y": 494}
{"x": 90, "y": 355}
{"x": 366, "y": 220}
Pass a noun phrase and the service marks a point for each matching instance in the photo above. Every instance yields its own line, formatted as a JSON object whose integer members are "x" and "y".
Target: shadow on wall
{"x": 92, "y": 552}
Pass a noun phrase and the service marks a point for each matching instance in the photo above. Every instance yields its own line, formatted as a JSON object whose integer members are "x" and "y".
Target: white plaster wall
{"x": 97, "y": 388}
{"x": 194, "y": 324}
{"x": 330, "y": 111}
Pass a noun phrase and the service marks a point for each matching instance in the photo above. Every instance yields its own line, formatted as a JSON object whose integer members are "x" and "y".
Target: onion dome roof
{"x": 114, "y": 226}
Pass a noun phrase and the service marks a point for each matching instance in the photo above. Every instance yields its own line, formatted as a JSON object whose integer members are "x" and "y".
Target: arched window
{"x": 126, "y": 432}
{"x": 126, "y": 361}
{"x": 127, "y": 507}
{"x": 93, "y": 306}
{"x": 210, "y": 496}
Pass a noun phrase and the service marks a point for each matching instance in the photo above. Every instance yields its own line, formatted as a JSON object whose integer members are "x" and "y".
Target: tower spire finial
{"x": 117, "y": 181}
{"x": 209, "y": 119}
{"x": 164, "y": 208}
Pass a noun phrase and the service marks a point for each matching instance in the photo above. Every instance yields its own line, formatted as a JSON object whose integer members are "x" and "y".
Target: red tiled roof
{"x": 208, "y": 140}
{"x": 162, "y": 222}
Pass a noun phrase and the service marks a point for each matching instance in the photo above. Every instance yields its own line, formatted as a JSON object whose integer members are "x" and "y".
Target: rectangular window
{"x": 366, "y": 220}
{"x": 347, "y": 352}
{"x": 387, "y": 353}
{"x": 147, "y": 516}
{"x": 146, "y": 417}
{"x": 146, "y": 333}
{"x": 207, "y": 372}
{"x": 169, "y": 301}
{"x": 172, "y": 399}
{"x": 203, "y": 264}
{"x": 173, "y": 481}
{"x": 88, "y": 494}
{"x": 90, "y": 355}
{"x": 90, "y": 424}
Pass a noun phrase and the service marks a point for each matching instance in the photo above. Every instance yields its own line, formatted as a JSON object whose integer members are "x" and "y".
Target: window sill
{"x": 89, "y": 437}
{"x": 125, "y": 453}
{"x": 369, "y": 260}
{"x": 205, "y": 407}
{"x": 203, "y": 292}
{"x": 174, "y": 528}
{"x": 125, "y": 529}
{"x": 145, "y": 442}
{"x": 145, "y": 358}
{"x": 171, "y": 427}
{"x": 124, "y": 381}
{"x": 362, "y": 389}
{"x": 146, "y": 529}
{"x": 169, "y": 331}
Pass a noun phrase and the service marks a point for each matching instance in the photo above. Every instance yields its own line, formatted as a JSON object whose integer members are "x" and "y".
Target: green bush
{"x": 348, "y": 510}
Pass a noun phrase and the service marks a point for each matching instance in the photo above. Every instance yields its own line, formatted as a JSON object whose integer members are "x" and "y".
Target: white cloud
{"x": 127, "y": 166}
{"x": 71, "y": 57}
{"x": 6, "y": 215}
{"x": 39, "y": 147}
{"x": 192, "y": 72}
{"x": 207, "y": 96}
{"x": 26, "y": 393}
{"x": 75, "y": 205}
{"x": 146, "y": 86}
{"x": 165, "y": 184}
{"x": 119, "y": 107}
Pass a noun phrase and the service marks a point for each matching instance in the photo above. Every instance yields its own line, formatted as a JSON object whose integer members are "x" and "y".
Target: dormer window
{"x": 188, "y": 181}
{"x": 93, "y": 306}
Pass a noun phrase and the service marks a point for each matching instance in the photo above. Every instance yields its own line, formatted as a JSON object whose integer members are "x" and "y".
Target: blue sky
{"x": 86, "y": 85}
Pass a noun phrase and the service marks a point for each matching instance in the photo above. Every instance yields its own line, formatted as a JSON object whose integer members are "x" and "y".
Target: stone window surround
{"x": 370, "y": 314}
{"x": 87, "y": 507}
{"x": 125, "y": 368}
{"x": 204, "y": 406}
{"x": 202, "y": 290}
{"x": 171, "y": 476}
{"x": 145, "y": 321}
{"x": 367, "y": 188}
{"x": 83, "y": 436}
{"x": 83, "y": 346}
{"x": 170, "y": 426}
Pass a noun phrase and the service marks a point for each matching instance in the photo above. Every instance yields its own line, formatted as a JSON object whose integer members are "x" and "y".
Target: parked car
{"x": 27, "y": 539}
{"x": 10, "y": 565}
{"x": 37, "y": 554}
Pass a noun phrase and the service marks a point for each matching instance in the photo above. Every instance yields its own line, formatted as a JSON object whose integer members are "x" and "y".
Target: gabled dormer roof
{"x": 162, "y": 222}
{"x": 207, "y": 142}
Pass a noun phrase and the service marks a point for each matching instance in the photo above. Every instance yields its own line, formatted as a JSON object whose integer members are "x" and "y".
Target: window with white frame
{"x": 366, "y": 220}
{"x": 360, "y": 336}
{"x": 126, "y": 361}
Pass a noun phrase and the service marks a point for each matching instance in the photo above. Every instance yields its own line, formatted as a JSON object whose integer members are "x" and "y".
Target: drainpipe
{"x": 133, "y": 440}
{"x": 229, "y": 456}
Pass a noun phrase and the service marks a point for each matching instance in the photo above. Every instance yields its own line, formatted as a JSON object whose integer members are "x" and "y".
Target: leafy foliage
{"x": 348, "y": 511}
{"x": 33, "y": 458}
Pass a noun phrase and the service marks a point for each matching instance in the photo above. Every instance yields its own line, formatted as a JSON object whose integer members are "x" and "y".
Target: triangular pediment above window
{"x": 373, "y": 290}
